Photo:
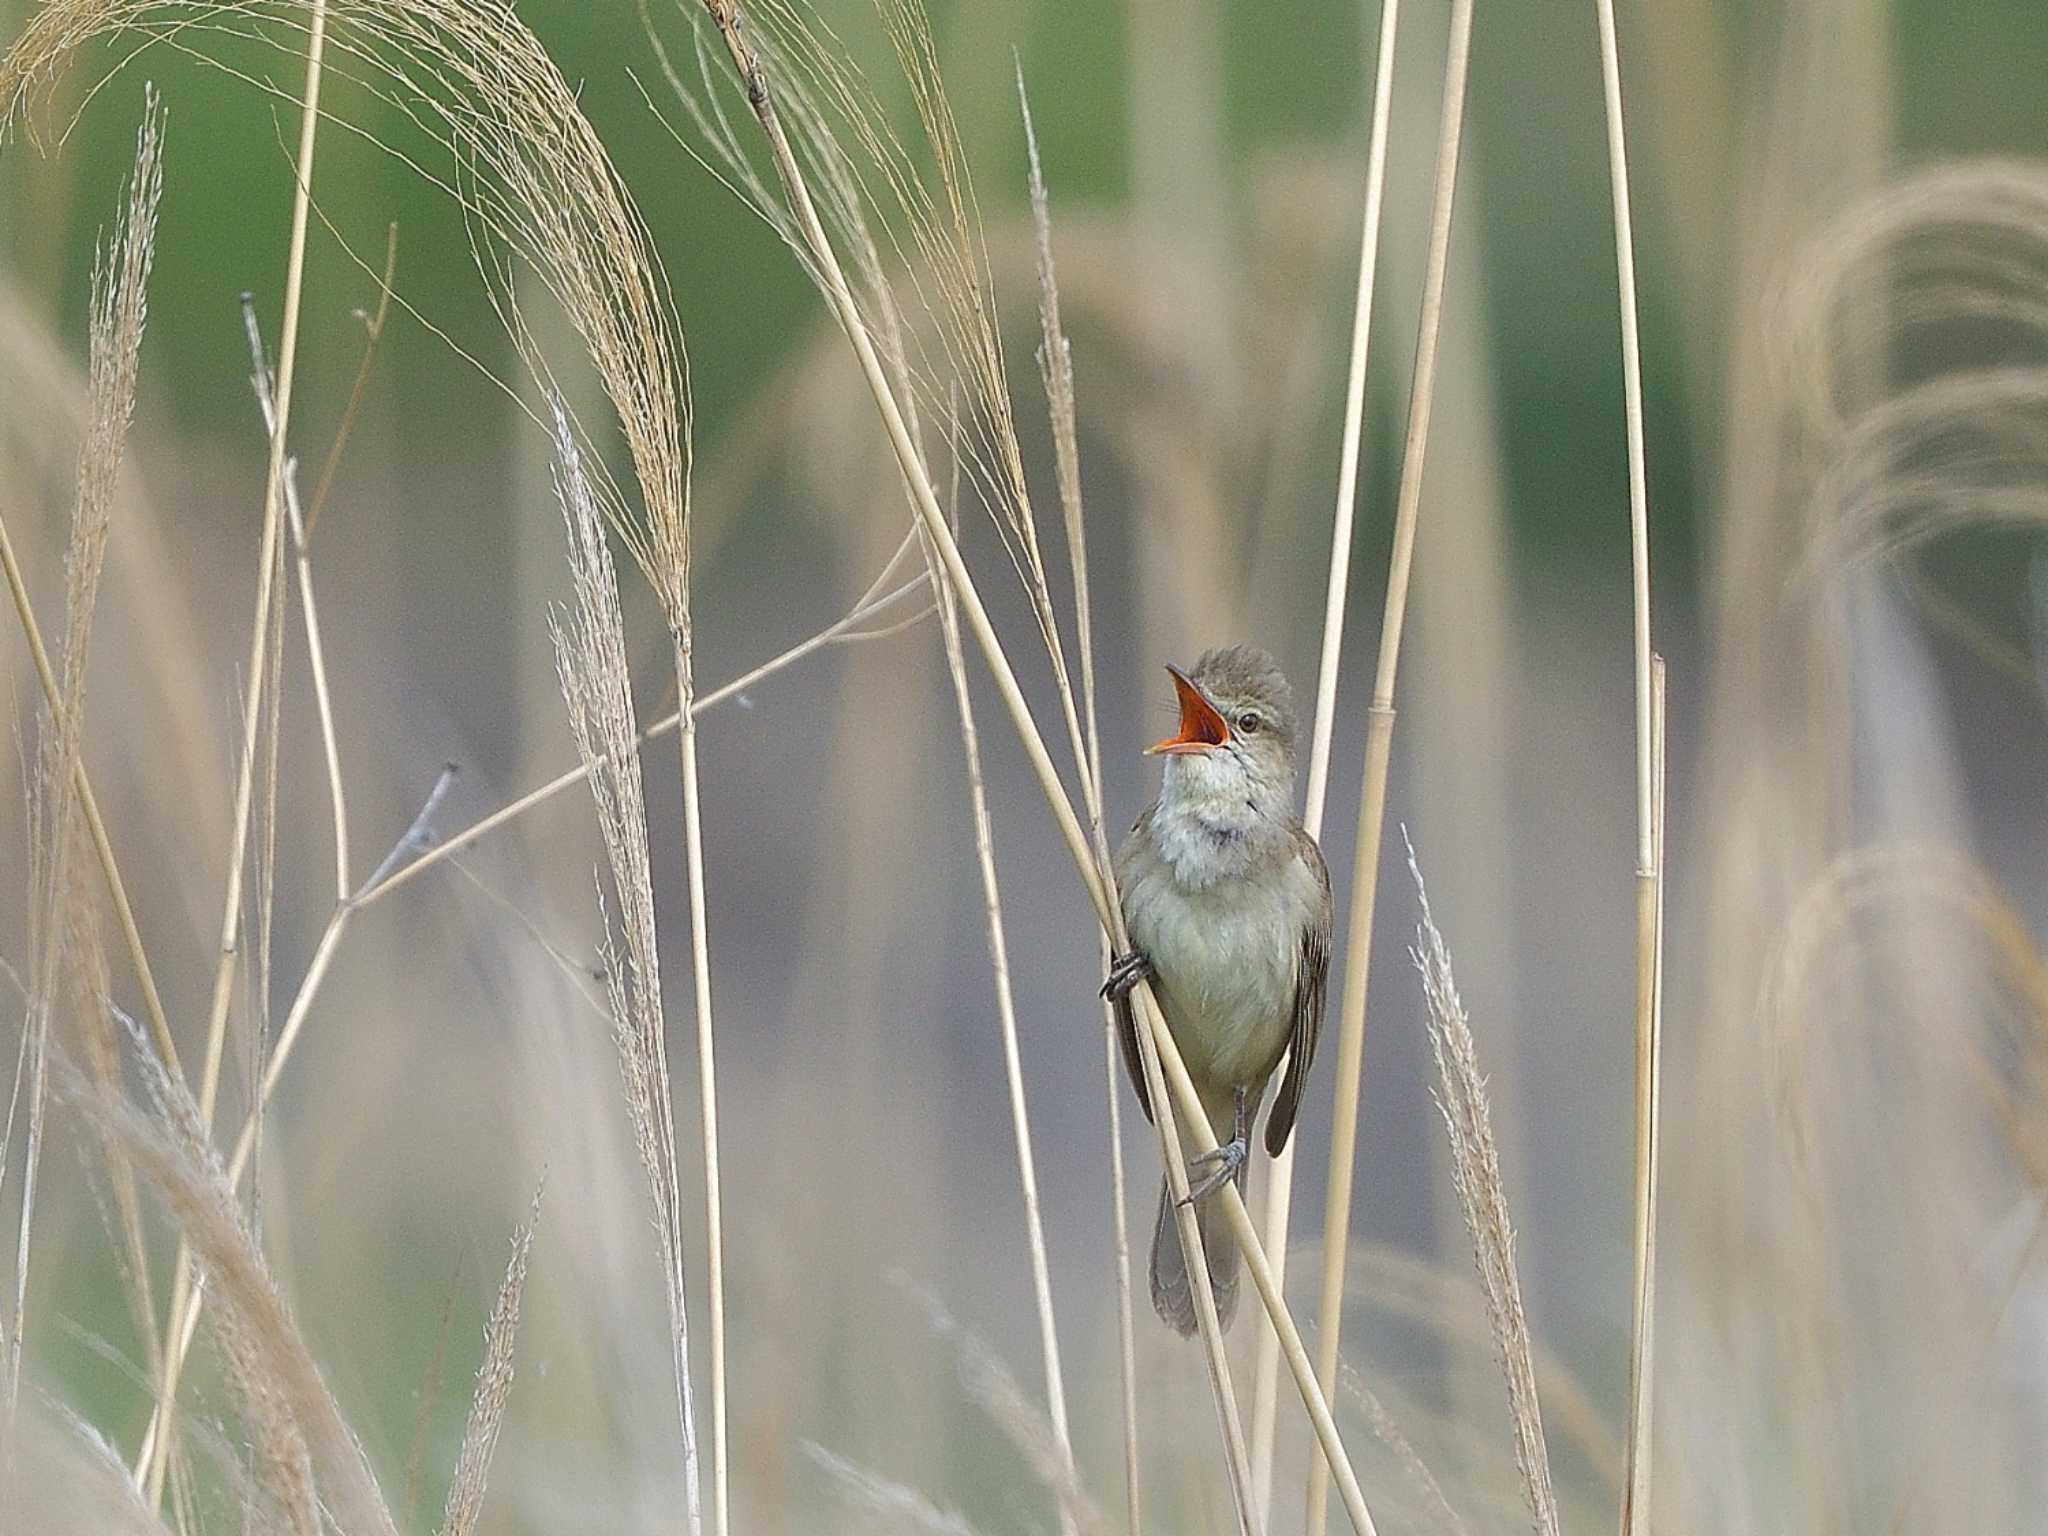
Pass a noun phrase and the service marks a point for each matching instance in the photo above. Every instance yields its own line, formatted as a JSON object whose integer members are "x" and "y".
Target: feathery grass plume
{"x": 120, "y": 309}
{"x": 530, "y": 173}
{"x": 950, "y": 255}
{"x": 991, "y": 1384}
{"x": 1388, "y": 1430}
{"x": 1923, "y": 451}
{"x": 881, "y": 1504}
{"x": 871, "y": 193}
{"x": 1444, "y": 1302}
{"x": 493, "y": 1388}
{"x": 1905, "y": 1010}
{"x": 1475, "y": 1171}
{"x": 67, "y": 1480}
{"x": 262, "y": 1344}
{"x": 590, "y": 656}
{"x": 90, "y": 986}
{"x": 2007, "y": 1057}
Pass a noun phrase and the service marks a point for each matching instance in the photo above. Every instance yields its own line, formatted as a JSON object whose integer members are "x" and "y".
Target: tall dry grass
{"x": 1860, "y": 1101}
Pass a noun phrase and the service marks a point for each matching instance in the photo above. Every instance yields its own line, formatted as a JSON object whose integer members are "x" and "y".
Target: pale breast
{"x": 1226, "y": 953}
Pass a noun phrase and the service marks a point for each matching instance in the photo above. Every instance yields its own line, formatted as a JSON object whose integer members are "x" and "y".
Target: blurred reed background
{"x": 1843, "y": 248}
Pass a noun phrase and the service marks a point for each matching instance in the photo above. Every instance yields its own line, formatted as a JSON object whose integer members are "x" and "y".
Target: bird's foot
{"x": 1227, "y": 1160}
{"x": 1125, "y": 972}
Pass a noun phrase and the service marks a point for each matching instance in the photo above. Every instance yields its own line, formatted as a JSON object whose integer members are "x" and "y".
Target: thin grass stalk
{"x": 1635, "y": 1497}
{"x": 1379, "y": 742}
{"x": 1174, "y": 1155}
{"x": 316, "y": 654}
{"x": 1056, "y": 369}
{"x": 1120, "y": 1251}
{"x": 707, "y": 1081}
{"x": 1635, "y": 1504}
{"x": 91, "y": 987}
{"x": 1006, "y": 1019}
{"x": 1280, "y": 1176}
{"x": 1156, "y": 1040}
{"x": 152, "y": 1460}
{"x": 841, "y": 631}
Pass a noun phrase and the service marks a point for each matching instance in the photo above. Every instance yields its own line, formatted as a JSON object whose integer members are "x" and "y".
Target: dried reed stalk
{"x": 1157, "y": 1049}
{"x": 1475, "y": 1171}
{"x": 1635, "y": 1505}
{"x": 1006, "y": 1019}
{"x": 1056, "y": 370}
{"x": 153, "y": 1459}
{"x": 1280, "y": 1176}
{"x": 1379, "y": 742}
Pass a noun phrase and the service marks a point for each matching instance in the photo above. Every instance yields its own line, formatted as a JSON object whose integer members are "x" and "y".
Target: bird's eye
{"x": 1249, "y": 722}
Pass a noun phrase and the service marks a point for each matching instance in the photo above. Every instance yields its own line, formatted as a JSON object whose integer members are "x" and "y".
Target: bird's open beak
{"x": 1202, "y": 729}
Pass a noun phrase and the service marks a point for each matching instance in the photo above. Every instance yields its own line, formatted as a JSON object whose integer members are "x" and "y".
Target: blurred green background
{"x": 1281, "y": 79}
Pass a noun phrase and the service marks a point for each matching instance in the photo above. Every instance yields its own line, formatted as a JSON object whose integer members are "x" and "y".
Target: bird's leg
{"x": 1229, "y": 1158}
{"x": 1125, "y": 972}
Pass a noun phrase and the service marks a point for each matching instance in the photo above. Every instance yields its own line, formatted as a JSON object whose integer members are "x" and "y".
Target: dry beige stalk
{"x": 1006, "y": 1020}
{"x": 1475, "y": 1171}
{"x": 1379, "y": 741}
{"x": 1280, "y": 1176}
{"x": 1649, "y": 871}
{"x": 1056, "y": 370}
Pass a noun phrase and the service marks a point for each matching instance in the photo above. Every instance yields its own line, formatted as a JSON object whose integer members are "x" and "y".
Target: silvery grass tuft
{"x": 590, "y": 655}
{"x": 1475, "y": 1172}
{"x": 120, "y": 307}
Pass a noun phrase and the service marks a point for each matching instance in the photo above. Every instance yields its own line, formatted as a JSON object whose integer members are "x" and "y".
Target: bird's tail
{"x": 1173, "y": 1294}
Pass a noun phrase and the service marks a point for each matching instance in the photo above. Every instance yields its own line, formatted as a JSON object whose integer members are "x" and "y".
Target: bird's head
{"x": 1235, "y": 747}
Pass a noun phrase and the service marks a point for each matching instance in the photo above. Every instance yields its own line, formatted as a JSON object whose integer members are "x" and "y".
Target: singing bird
{"x": 1227, "y": 901}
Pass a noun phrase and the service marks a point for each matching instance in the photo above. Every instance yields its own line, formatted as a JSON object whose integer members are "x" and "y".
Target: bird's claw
{"x": 1228, "y": 1159}
{"x": 1125, "y": 972}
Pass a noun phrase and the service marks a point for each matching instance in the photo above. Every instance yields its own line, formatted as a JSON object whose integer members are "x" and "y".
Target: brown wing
{"x": 1126, "y": 1015}
{"x": 1311, "y": 982}
{"x": 1127, "y": 1037}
